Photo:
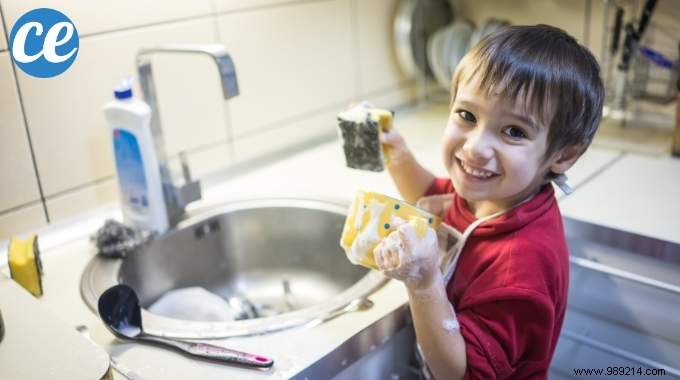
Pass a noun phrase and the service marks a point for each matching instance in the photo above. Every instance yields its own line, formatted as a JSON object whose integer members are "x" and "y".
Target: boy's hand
{"x": 404, "y": 256}
{"x": 398, "y": 149}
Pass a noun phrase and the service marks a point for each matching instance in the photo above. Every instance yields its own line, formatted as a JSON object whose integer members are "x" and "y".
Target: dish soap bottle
{"x": 139, "y": 178}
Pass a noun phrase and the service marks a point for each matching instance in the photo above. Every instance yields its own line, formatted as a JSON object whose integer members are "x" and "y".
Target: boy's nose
{"x": 478, "y": 145}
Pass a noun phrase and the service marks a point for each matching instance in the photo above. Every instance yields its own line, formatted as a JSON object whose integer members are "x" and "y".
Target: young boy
{"x": 525, "y": 104}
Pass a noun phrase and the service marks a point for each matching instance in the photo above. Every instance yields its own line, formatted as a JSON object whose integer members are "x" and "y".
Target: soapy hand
{"x": 404, "y": 256}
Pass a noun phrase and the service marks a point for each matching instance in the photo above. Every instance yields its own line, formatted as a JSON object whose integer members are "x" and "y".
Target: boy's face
{"x": 493, "y": 151}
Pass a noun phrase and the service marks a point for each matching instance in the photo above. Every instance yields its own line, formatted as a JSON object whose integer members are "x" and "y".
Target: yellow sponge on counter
{"x": 25, "y": 266}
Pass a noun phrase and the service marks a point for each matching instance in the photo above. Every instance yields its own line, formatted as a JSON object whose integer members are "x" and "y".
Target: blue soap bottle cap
{"x": 123, "y": 90}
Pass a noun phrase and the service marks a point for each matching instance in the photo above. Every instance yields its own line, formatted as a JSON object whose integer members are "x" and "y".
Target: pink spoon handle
{"x": 209, "y": 351}
{"x": 221, "y": 353}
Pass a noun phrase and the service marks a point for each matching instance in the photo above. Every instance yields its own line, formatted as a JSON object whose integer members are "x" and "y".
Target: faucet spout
{"x": 176, "y": 198}
{"x": 217, "y": 52}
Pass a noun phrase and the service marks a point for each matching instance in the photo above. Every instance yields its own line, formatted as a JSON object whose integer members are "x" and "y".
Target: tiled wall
{"x": 297, "y": 61}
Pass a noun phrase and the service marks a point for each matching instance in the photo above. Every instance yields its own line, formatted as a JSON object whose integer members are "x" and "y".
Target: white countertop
{"x": 624, "y": 191}
{"x": 639, "y": 194}
{"x": 26, "y": 354}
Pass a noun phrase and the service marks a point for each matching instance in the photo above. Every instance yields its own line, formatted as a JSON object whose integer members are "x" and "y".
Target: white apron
{"x": 451, "y": 241}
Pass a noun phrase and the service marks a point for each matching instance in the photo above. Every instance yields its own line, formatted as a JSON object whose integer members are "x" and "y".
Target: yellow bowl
{"x": 371, "y": 217}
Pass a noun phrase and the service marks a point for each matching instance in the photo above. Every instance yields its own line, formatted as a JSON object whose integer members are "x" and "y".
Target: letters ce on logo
{"x": 44, "y": 43}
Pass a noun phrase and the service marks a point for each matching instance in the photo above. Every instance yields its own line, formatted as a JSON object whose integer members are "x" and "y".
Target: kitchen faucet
{"x": 178, "y": 197}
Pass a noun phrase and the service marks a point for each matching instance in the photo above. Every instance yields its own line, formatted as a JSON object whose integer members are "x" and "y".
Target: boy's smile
{"x": 493, "y": 152}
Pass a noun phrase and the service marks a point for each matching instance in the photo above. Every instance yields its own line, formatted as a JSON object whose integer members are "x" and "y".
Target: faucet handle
{"x": 185, "y": 166}
{"x": 190, "y": 190}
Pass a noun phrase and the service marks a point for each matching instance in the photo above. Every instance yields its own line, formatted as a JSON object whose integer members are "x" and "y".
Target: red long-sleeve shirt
{"x": 509, "y": 289}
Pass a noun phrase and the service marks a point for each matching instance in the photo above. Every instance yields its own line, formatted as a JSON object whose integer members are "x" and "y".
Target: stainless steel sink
{"x": 279, "y": 257}
{"x": 623, "y": 305}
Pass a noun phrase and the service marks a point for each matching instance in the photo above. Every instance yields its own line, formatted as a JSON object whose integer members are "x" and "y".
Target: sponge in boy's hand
{"x": 372, "y": 217}
{"x": 25, "y": 266}
{"x": 360, "y": 128}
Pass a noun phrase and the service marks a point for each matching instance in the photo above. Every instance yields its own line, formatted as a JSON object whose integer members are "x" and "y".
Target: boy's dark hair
{"x": 558, "y": 78}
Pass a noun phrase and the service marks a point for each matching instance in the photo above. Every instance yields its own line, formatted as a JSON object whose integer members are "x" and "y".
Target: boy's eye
{"x": 515, "y": 132}
{"x": 467, "y": 116}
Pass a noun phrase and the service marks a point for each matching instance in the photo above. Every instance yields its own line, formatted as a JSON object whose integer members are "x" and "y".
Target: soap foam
{"x": 410, "y": 265}
{"x": 368, "y": 237}
{"x": 451, "y": 325}
{"x": 357, "y": 114}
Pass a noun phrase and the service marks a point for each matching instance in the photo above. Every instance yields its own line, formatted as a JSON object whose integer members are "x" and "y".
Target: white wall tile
{"x": 99, "y": 16}
{"x": 291, "y": 61}
{"x": 282, "y": 137}
{"x": 70, "y": 135}
{"x": 566, "y": 14}
{"x": 73, "y": 203}
{"x": 190, "y": 101}
{"x": 20, "y": 221}
{"x": 4, "y": 39}
{"x": 234, "y": 5}
{"x": 378, "y": 67}
{"x": 597, "y": 28}
{"x": 76, "y": 202}
{"x": 206, "y": 160}
{"x": 397, "y": 96}
{"x": 19, "y": 183}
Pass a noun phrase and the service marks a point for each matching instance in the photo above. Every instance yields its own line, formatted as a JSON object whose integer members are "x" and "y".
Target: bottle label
{"x": 130, "y": 168}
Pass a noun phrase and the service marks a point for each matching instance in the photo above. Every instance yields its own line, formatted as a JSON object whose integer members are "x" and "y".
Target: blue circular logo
{"x": 44, "y": 43}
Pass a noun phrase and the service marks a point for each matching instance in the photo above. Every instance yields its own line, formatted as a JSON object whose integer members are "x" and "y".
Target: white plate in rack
{"x": 460, "y": 33}
{"x": 435, "y": 48}
{"x": 489, "y": 26}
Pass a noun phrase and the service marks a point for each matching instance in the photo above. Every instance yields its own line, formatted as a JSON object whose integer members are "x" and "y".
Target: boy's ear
{"x": 565, "y": 158}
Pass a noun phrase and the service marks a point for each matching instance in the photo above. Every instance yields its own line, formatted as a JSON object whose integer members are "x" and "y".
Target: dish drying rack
{"x": 641, "y": 83}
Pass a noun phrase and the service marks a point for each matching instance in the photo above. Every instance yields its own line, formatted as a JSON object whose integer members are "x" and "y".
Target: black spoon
{"x": 119, "y": 309}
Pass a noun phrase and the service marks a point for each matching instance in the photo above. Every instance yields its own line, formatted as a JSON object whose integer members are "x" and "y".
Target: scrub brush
{"x": 116, "y": 240}
{"x": 25, "y": 266}
{"x": 360, "y": 128}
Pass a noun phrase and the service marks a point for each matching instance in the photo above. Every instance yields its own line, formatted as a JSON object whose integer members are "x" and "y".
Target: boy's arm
{"x": 406, "y": 256}
{"x": 411, "y": 179}
{"x": 437, "y": 331}
{"x": 508, "y": 328}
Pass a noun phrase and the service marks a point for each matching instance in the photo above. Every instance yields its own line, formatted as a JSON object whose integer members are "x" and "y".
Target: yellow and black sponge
{"x": 360, "y": 129}
{"x": 25, "y": 266}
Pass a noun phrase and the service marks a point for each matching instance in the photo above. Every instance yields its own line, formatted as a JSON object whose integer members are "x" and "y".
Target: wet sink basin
{"x": 277, "y": 259}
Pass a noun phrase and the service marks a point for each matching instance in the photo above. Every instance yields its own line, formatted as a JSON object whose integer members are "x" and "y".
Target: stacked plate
{"x": 447, "y": 46}
{"x": 414, "y": 23}
{"x": 488, "y": 27}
